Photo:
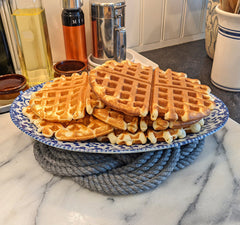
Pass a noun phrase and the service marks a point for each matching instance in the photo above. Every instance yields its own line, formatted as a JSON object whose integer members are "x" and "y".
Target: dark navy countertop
{"x": 192, "y": 59}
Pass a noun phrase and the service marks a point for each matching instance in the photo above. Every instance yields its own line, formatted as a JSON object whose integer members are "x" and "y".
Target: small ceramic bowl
{"x": 68, "y": 67}
{"x": 10, "y": 87}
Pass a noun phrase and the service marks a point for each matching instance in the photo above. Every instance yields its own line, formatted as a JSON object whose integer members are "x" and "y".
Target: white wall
{"x": 150, "y": 24}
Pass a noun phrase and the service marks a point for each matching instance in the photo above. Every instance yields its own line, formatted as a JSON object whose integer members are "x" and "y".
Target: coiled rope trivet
{"x": 117, "y": 174}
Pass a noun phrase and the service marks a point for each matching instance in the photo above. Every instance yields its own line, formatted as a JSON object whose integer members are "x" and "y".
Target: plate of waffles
{"x": 89, "y": 123}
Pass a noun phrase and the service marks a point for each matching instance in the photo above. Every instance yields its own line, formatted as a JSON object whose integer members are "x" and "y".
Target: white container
{"x": 226, "y": 64}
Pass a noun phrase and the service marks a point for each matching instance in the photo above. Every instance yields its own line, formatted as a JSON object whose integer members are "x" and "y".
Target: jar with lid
{"x": 10, "y": 87}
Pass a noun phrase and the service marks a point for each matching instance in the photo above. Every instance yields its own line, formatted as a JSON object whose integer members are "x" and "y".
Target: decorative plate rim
{"x": 216, "y": 120}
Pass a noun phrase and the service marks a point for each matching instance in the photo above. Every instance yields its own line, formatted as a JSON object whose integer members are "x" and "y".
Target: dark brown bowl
{"x": 68, "y": 67}
{"x": 11, "y": 85}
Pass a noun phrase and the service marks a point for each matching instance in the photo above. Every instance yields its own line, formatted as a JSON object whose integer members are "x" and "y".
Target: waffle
{"x": 158, "y": 124}
{"x": 171, "y": 96}
{"x": 111, "y": 117}
{"x": 48, "y": 129}
{"x": 171, "y": 134}
{"x": 121, "y": 137}
{"x": 124, "y": 103}
{"x": 178, "y": 74}
{"x": 130, "y": 69}
{"x": 178, "y": 98}
{"x": 89, "y": 128}
{"x": 76, "y": 130}
{"x": 83, "y": 129}
{"x": 92, "y": 102}
{"x": 62, "y": 100}
{"x": 194, "y": 128}
{"x": 124, "y": 138}
{"x": 173, "y": 79}
{"x": 166, "y": 135}
{"x": 124, "y": 86}
{"x": 180, "y": 124}
{"x": 117, "y": 119}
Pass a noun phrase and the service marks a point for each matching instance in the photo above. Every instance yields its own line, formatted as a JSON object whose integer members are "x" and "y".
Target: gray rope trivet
{"x": 117, "y": 174}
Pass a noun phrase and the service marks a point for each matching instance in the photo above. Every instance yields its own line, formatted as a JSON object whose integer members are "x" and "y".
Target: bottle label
{"x": 72, "y": 18}
{"x": 74, "y": 21}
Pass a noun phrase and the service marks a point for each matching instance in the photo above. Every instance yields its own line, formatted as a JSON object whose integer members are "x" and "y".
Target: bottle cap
{"x": 108, "y": 9}
{"x": 72, "y": 4}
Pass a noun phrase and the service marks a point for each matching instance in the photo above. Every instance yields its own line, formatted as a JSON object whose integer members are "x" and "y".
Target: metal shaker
{"x": 108, "y": 30}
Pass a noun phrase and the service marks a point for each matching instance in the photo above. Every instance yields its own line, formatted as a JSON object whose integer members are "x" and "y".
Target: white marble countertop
{"x": 206, "y": 192}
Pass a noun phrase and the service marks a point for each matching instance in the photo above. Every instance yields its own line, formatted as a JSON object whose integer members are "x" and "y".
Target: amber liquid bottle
{"x": 74, "y": 30}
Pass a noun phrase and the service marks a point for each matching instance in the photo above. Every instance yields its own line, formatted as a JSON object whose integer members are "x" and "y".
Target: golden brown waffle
{"x": 47, "y": 128}
{"x": 171, "y": 134}
{"x": 109, "y": 116}
{"x": 117, "y": 119}
{"x": 179, "y": 98}
{"x": 132, "y": 123}
{"x": 76, "y": 130}
{"x": 130, "y": 69}
{"x": 129, "y": 105}
{"x": 83, "y": 129}
{"x": 158, "y": 124}
{"x": 166, "y": 135}
{"x": 194, "y": 128}
{"x": 121, "y": 137}
{"x": 172, "y": 97}
{"x": 124, "y": 86}
{"x": 180, "y": 124}
{"x": 173, "y": 79}
{"x": 124, "y": 138}
{"x": 62, "y": 100}
{"x": 92, "y": 102}
{"x": 89, "y": 128}
{"x": 178, "y": 74}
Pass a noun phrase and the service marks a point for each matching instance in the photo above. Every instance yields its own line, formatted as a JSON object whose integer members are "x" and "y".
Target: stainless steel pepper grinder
{"x": 108, "y": 30}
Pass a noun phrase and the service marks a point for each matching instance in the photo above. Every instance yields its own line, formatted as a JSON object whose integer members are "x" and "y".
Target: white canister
{"x": 226, "y": 63}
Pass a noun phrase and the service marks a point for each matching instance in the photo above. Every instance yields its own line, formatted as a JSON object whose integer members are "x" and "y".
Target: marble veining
{"x": 207, "y": 192}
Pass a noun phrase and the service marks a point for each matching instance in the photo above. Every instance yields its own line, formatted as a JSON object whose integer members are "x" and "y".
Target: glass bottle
{"x": 30, "y": 25}
{"x": 74, "y": 30}
{"x": 6, "y": 65}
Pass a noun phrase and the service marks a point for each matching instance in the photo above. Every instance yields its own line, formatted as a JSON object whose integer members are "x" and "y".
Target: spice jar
{"x": 10, "y": 87}
{"x": 68, "y": 67}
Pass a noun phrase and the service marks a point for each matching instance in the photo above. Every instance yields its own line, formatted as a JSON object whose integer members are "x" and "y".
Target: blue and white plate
{"x": 214, "y": 122}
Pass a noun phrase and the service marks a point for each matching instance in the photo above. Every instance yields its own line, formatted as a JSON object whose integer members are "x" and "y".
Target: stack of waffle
{"x": 124, "y": 103}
